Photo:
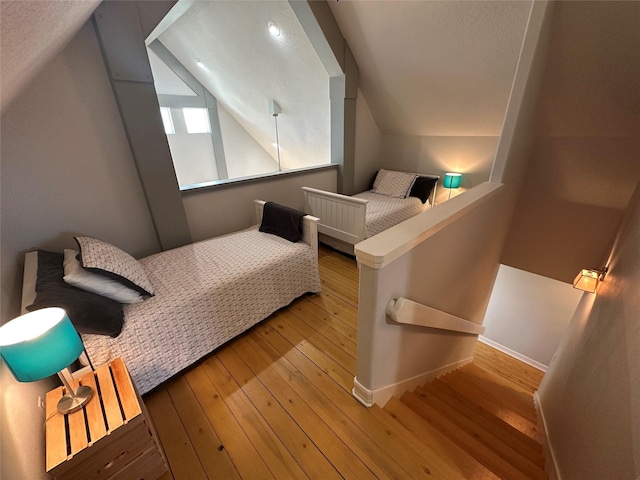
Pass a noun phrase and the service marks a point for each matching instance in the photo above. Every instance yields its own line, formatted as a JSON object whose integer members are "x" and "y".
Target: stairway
{"x": 481, "y": 425}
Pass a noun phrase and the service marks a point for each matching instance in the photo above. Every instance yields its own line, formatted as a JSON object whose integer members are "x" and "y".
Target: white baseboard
{"x": 550, "y": 465}
{"x": 362, "y": 394}
{"x": 513, "y": 353}
{"x": 381, "y": 396}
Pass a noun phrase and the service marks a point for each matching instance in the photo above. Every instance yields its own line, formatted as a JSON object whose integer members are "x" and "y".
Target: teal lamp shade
{"x": 452, "y": 180}
{"x": 39, "y": 344}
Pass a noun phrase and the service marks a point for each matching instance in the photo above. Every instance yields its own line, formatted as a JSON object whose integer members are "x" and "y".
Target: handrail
{"x": 408, "y": 312}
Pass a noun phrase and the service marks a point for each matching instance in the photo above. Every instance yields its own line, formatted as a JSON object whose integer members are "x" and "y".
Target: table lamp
{"x": 452, "y": 181}
{"x": 40, "y": 343}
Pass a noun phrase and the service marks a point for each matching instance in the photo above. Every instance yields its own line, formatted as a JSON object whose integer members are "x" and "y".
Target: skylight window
{"x": 197, "y": 120}
{"x": 169, "y": 129}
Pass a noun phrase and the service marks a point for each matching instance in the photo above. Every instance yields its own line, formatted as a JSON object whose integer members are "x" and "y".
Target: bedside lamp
{"x": 40, "y": 343}
{"x": 452, "y": 181}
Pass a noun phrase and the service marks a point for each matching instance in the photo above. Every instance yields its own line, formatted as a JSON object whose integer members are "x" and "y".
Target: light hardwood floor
{"x": 276, "y": 402}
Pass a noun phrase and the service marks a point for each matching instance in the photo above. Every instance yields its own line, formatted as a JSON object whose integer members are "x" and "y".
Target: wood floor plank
{"x": 242, "y": 452}
{"x": 308, "y": 308}
{"x": 213, "y": 457}
{"x": 182, "y": 457}
{"x": 273, "y": 452}
{"x": 301, "y": 446}
{"x": 337, "y": 307}
{"x": 347, "y": 272}
{"x": 346, "y": 461}
{"x": 348, "y": 296}
{"x": 382, "y": 465}
{"x": 384, "y": 436}
{"x": 338, "y": 279}
{"x": 332, "y": 368}
{"x": 320, "y": 336}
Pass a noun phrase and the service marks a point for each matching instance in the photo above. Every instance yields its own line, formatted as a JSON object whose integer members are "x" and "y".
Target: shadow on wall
{"x": 541, "y": 243}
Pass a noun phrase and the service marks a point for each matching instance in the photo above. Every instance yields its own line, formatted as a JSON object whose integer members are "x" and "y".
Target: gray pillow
{"x": 103, "y": 258}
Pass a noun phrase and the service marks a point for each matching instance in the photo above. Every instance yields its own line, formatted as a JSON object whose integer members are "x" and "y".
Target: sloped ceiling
{"x": 435, "y": 67}
{"x": 246, "y": 66}
{"x": 31, "y": 33}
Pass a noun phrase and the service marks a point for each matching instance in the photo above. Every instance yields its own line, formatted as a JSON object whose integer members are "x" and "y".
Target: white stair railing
{"x": 408, "y": 312}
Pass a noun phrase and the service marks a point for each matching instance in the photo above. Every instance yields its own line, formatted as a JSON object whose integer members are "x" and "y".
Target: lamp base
{"x": 75, "y": 401}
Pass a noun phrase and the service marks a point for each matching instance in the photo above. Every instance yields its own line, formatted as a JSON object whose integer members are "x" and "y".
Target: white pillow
{"x": 77, "y": 276}
{"x": 393, "y": 184}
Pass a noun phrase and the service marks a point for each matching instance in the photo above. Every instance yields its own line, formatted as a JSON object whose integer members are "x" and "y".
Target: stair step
{"x": 473, "y": 429}
{"x": 520, "y": 402}
{"x": 457, "y": 463}
{"x": 519, "y": 373}
{"x": 473, "y": 442}
{"x": 511, "y": 436}
{"x": 492, "y": 404}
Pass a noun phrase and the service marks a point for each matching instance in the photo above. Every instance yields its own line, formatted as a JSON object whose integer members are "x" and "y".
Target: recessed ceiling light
{"x": 200, "y": 64}
{"x": 274, "y": 29}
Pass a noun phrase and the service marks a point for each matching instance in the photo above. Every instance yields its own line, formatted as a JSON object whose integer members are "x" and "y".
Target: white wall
{"x": 436, "y": 155}
{"x": 584, "y": 164}
{"x": 368, "y": 144}
{"x": 441, "y": 269}
{"x": 193, "y": 158}
{"x": 243, "y": 155}
{"x": 66, "y": 169}
{"x": 590, "y": 396}
{"x": 224, "y": 210}
{"x": 528, "y": 314}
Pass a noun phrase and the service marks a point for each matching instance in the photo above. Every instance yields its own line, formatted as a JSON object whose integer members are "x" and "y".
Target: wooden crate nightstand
{"x": 111, "y": 437}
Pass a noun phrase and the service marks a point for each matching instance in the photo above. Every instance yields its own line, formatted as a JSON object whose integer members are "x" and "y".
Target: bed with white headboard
{"x": 204, "y": 294}
{"x": 393, "y": 198}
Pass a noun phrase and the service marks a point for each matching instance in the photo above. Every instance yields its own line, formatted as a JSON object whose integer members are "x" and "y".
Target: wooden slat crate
{"x": 110, "y": 437}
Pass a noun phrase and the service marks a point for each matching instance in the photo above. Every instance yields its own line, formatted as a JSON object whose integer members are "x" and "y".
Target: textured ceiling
{"x": 246, "y": 67}
{"x": 31, "y": 33}
{"x": 435, "y": 67}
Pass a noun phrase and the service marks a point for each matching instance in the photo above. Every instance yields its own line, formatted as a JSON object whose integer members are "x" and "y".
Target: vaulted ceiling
{"x": 435, "y": 67}
{"x": 31, "y": 34}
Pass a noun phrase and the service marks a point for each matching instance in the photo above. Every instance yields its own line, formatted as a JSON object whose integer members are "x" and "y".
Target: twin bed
{"x": 204, "y": 294}
{"x": 393, "y": 198}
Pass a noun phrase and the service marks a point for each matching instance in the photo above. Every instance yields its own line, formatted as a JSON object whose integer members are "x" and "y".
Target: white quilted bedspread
{"x": 384, "y": 212}
{"x": 205, "y": 294}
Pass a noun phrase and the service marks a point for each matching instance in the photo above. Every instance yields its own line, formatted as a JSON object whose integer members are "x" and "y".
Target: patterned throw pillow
{"x": 392, "y": 183}
{"x": 102, "y": 257}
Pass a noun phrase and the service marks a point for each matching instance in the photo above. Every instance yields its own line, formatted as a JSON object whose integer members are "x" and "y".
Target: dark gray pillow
{"x": 89, "y": 313}
{"x": 422, "y": 188}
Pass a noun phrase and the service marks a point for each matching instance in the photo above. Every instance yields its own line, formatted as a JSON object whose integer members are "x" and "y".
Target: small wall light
{"x": 452, "y": 181}
{"x": 589, "y": 279}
